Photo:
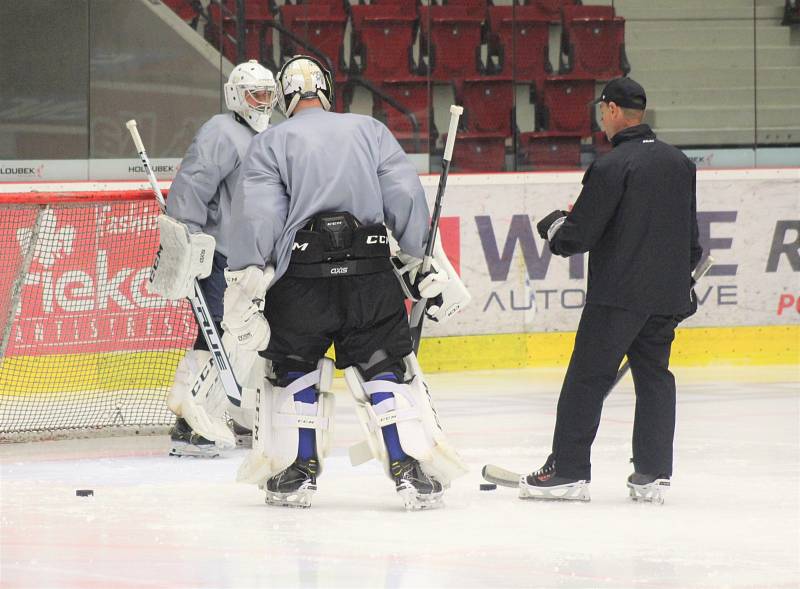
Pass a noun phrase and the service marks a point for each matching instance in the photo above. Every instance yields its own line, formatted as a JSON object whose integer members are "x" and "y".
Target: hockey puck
{"x": 84, "y": 493}
{"x": 488, "y": 486}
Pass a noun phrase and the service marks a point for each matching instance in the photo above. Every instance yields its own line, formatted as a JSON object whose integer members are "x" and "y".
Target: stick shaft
{"x": 199, "y": 306}
{"x": 418, "y": 309}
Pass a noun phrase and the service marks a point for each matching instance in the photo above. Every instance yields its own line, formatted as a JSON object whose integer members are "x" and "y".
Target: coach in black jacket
{"x": 636, "y": 216}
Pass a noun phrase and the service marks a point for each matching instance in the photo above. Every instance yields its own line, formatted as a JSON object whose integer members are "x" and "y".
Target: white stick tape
{"x": 455, "y": 113}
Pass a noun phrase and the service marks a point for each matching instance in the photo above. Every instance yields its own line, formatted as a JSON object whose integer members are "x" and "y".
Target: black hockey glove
{"x": 544, "y": 225}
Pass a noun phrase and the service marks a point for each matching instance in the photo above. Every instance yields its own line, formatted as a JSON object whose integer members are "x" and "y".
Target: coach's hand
{"x": 550, "y": 224}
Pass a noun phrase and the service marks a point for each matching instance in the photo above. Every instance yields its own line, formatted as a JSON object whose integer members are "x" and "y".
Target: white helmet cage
{"x": 243, "y": 94}
{"x": 304, "y": 77}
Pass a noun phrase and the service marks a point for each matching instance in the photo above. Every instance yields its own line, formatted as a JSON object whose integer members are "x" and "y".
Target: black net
{"x": 84, "y": 346}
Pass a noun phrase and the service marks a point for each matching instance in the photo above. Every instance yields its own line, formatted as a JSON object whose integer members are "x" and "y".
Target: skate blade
{"x": 181, "y": 449}
{"x": 414, "y": 501}
{"x": 300, "y": 499}
{"x": 651, "y": 493}
{"x": 577, "y": 491}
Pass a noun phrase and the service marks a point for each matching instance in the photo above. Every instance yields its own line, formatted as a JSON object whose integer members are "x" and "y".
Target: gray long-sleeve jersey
{"x": 318, "y": 162}
{"x": 201, "y": 192}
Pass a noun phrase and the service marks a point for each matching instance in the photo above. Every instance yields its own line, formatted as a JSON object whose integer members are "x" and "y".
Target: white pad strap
{"x": 182, "y": 257}
{"x": 410, "y": 409}
{"x": 279, "y": 419}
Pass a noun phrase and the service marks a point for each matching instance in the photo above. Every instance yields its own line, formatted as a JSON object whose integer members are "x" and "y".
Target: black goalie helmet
{"x": 304, "y": 77}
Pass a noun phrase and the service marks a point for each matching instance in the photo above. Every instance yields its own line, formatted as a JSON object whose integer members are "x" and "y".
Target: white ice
{"x": 732, "y": 517}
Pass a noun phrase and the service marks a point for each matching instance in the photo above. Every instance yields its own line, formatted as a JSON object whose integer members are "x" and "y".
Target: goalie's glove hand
{"x": 548, "y": 226}
{"x": 182, "y": 256}
{"x": 244, "y": 306}
{"x": 421, "y": 285}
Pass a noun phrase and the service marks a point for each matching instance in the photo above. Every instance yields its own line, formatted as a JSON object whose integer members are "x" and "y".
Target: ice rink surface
{"x": 732, "y": 517}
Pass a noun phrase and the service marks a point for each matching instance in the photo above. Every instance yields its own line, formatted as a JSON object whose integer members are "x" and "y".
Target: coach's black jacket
{"x": 636, "y": 216}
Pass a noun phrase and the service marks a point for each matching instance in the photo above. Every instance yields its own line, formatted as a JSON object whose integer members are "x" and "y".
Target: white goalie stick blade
{"x": 501, "y": 476}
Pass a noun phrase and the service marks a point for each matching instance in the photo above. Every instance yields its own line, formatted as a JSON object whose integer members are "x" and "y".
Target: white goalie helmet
{"x": 304, "y": 77}
{"x": 251, "y": 92}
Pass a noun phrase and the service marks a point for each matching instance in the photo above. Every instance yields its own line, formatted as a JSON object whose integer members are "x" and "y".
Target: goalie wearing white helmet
{"x": 196, "y": 224}
{"x": 311, "y": 212}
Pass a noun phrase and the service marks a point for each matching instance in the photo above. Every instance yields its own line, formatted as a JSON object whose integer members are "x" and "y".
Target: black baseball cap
{"x": 625, "y": 92}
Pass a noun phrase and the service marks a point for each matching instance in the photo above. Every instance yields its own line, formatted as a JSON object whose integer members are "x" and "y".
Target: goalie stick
{"x": 418, "y": 309}
{"x": 197, "y": 300}
{"x": 508, "y": 478}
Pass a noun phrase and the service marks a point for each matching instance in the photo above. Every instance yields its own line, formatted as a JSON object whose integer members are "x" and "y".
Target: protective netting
{"x": 84, "y": 346}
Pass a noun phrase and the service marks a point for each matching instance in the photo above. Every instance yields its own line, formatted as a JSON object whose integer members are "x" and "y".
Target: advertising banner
{"x": 748, "y": 220}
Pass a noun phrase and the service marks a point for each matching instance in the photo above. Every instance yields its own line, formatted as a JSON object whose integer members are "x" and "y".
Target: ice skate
{"x": 546, "y": 484}
{"x": 648, "y": 488}
{"x": 416, "y": 489}
{"x": 186, "y": 442}
{"x": 293, "y": 487}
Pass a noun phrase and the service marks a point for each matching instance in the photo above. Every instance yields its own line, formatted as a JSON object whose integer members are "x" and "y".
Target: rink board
{"x": 526, "y": 302}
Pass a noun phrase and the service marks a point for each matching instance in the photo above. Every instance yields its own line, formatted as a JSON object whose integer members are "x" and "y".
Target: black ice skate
{"x": 546, "y": 484}
{"x": 417, "y": 489}
{"x": 186, "y": 442}
{"x": 648, "y": 488}
{"x": 294, "y": 486}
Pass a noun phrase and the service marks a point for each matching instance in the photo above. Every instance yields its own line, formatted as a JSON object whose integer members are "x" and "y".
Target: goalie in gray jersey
{"x": 195, "y": 226}
{"x": 311, "y": 211}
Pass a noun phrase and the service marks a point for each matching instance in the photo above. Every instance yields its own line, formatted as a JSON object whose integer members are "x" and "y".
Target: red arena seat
{"x": 479, "y": 152}
{"x": 547, "y": 150}
{"x": 552, "y": 8}
{"x": 258, "y": 38}
{"x": 320, "y": 25}
{"x": 519, "y": 36}
{"x": 414, "y": 95}
{"x": 488, "y": 103}
{"x": 450, "y": 37}
{"x": 593, "y": 42}
{"x": 383, "y": 39}
{"x": 565, "y": 105}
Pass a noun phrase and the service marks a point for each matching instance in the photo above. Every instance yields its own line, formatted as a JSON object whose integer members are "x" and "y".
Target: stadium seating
{"x": 552, "y": 8}
{"x": 322, "y": 26}
{"x": 187, "y": 10}
{"x": 519, "y": 37}
{"x": 565, "y": 105}
{"x": 593, "y": 42}
{"x": 450, "y": 38}
{"x": 383, "y": 39}
{"x": 475, "y": 151}
{"x": 258, "y": 39}
{"x": 414, "y": 95}
{"x": 542, "y": 150}
{"x": 488, "y": 103}
{"x": 791, "y": 13}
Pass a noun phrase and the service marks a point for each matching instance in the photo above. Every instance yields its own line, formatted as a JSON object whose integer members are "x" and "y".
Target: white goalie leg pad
{"x": 182, "y": 257}
{"x": 278, "y": 419}
{"x": 421, "y": 435}
{"x": 195, "y": 396}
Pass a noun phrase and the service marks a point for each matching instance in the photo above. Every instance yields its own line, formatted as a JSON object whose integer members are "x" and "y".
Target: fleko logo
{"x": 300, "y": 246}
{"x": 372, "y": 239}
{"x": 51, "y": 244}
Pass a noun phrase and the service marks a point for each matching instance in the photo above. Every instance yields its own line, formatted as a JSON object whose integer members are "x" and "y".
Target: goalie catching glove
{"x": 441, "y": 286}
{"x": 182, "y": 257}
{"x": 244, "y": 306}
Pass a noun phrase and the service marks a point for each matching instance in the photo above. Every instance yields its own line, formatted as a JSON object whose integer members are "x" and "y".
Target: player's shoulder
{"x": 224, "y": 127}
